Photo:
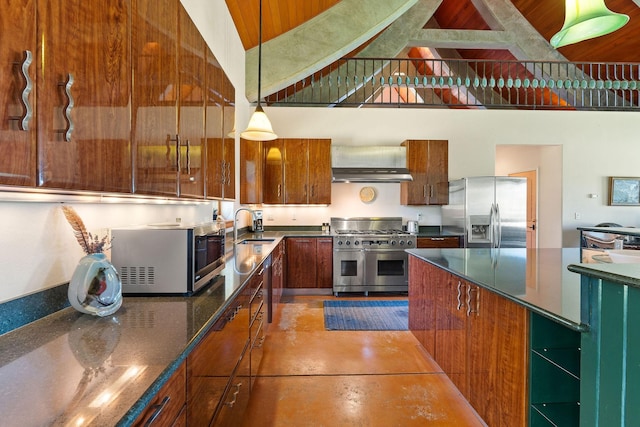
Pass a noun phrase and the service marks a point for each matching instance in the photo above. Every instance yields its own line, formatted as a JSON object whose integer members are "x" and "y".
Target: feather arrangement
{"x": 89, "y": 243}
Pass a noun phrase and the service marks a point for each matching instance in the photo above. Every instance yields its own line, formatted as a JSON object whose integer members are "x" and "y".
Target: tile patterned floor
{"x": 312, "y": 377}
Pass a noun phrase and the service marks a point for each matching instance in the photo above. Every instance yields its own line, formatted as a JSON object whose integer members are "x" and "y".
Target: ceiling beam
{"x": 463, "y": 39}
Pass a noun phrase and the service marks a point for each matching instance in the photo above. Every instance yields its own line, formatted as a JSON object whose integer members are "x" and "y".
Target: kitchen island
{"x": 567, "y": 355}
{"x": 75, "y": 369}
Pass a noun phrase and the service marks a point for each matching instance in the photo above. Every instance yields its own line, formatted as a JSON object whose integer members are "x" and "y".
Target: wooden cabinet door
{"x": 324, "y": 262}
{"x": 437, "y": 175}
{"x": 190, "y": 93}
{"x": 451, "y": 329}
{"x": 155, "y": 80}
{"x": 84, "y": 92}
{"x": 438, "y": 242}
{"x": 273, "y": 172}
{"x": 497, "y": 358}
{"x": 228, "y": 125}
{"x": 251, "y": 172}
{"x": 428, "y": 162}
{"x": 18, "y": 160}
{"x": 214, "y": 111}
{"x": 168, "y": 404}
{"x": 319, "y": 171}
{"x": 296, "y": 171}
{"x": 423, "y": 278}
{"x": 301, "y": 262}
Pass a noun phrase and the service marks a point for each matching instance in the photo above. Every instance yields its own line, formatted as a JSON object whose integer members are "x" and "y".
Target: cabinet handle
{"x": 433, "y": 239}
{"x": 259, "y": 342}
{"x": 279, "y": 192}
{"x": 67, "y": 110}
{"x": 157, "y": 411}
{"x": 188, "y": 157}
{"x": 460, "y": 303}
{"x": 28, "y": 86}
{"x": 235, "y": 396}
{"x": 469, "y": 309}
{"x": 424, "y": 192}
{"x": 176, "y": 146}
{"x": 228, "y": 178}
{"x": 431, "y": 191}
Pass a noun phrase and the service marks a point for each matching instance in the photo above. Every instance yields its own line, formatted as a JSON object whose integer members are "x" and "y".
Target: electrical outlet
{"x": 577, "y": 215}
{"x": 419, "y": 217}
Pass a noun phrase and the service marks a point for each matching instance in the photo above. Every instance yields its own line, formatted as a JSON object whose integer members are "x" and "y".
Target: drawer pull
{"x": 460, "y": 304}
{"x": 67, "y": 110}
{"x": 157, "y": 411}
{"x": 235, "y": 396}
{"x": 437, "y": 238}
{"x": 28, "y": 87}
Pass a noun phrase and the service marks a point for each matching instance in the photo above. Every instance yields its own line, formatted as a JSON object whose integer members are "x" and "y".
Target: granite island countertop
{"x": 535, "y": 278}
{"x": 70, "y": 367}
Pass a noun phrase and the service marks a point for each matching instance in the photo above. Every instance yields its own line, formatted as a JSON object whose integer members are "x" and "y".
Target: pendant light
{"x": 586, "y": 19}
{"x": 259, "y": 128}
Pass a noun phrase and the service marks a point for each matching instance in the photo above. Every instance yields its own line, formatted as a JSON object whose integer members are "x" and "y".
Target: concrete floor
{"x": 312, "y": 377}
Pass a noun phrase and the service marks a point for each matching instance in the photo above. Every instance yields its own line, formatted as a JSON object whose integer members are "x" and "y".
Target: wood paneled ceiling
{"x": 545, "y": 16}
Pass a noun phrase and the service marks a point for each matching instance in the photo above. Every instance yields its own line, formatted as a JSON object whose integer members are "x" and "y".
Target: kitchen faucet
{"x": 235, "y": 222}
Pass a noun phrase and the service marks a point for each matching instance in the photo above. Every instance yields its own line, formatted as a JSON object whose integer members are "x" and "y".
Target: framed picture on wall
{"x": 624, "y": 191}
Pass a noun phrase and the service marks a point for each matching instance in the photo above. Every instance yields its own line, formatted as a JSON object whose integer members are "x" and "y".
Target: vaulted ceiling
{"x": 467, "y": 29}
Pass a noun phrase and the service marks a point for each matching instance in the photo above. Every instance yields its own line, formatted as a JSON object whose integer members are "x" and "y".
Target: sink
{"x": 256, "y": 241}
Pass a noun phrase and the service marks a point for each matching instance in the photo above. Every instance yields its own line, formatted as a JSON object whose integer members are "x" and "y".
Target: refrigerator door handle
{"x": 498, "y": 226}
{"x": 492, "y": 226}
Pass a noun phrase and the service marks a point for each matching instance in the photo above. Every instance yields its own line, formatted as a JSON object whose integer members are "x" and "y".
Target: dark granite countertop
{"x": 70, "y": 366}
{"x": 537, "y": 279}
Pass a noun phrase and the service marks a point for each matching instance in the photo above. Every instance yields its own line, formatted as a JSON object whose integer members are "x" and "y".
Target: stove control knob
{"x": 357, "y": 242}
{"x": 339, "y": 242}
{"x": 347, "y": 243}
{"x": 401, "y": 242}
{"x": 409, "y": 243}
{"x": 393, "y": 243}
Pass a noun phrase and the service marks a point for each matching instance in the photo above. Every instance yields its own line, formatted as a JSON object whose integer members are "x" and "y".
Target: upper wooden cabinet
{"x": 17, "y": 135}
{"x": 83, "y": 93}
{"x": 168, "y": 100}
{"x": 251, "y": 172}
{"x": 297, "y": 171}
{"x": 428, "y": 162}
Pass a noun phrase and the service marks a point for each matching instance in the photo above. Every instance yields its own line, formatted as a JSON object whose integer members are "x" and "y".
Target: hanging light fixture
{"x": 259, "y": 128}
{"x": 586, "y": 19}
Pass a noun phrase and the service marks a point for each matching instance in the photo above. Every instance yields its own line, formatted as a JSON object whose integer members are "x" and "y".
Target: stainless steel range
{"x": 369, "y": 255}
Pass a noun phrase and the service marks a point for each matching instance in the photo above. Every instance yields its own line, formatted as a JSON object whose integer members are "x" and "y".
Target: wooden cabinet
{"x": 438, "y": 242}
{"x": 220, "y": 110}
{"x": 479, "y": 340}
{"x": 213, "y": 367}
{"x": 83, "y": 85}
{"x": 168, "y": 100}
{"x": 251, "y": 172}
{"x": 422, "y": 302}
{"x": 428, "y": 162}
{"x": 168, "y": 407}
{"x": 17, "y": 135}
{"x": 297, "y": 171}
{"x": 309, "y": 262}
{"x": 277, "y": 279}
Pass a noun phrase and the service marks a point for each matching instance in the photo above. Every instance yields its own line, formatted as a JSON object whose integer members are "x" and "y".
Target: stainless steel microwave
{"x": 167, "y": 259}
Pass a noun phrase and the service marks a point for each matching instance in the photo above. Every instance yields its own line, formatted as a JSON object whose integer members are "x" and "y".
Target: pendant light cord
{"x": 259, "y": 52}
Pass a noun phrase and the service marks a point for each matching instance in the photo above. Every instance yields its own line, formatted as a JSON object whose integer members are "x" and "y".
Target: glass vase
{"x": 95, "y": 286}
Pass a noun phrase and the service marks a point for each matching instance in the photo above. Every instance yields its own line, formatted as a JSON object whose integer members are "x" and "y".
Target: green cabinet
{"x": 554, "y": 374}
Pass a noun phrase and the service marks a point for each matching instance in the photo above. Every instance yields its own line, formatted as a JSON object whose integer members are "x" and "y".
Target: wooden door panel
{"x": 319, "y": 171}
{"x": 422, "y": 302}
{"x": 191, "y": 104}
{"x": 324, "y": 261}
{"x": 273, "y": 169}
{"x": 18, "y": 160}
{"x": 451, "y": 328}
{"x": 155, "y": 76}
{"x": 296, "y": 171}
{"x": 437, "y": 175}
{"x": 251, "y": 172}
{"x": 228, "y": 126}
{"x": 301, "y": 264}
{"x": 84, "y": 86}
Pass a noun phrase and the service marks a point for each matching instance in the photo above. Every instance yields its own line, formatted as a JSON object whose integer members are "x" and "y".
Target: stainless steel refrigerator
{"x": 489, "y": 211}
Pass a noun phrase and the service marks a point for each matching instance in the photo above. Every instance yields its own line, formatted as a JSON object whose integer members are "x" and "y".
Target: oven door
{"x": 386, "y": 270}
{"x": 348, "y": 270}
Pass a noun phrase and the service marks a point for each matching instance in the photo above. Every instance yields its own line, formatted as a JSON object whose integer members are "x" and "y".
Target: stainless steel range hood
{"x": 369, "y": 163}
